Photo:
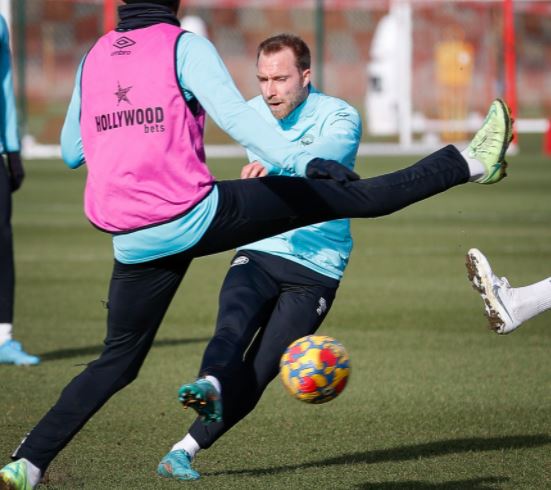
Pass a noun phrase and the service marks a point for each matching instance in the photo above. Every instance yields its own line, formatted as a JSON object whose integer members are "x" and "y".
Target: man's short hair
{"x": 278, "y": 43}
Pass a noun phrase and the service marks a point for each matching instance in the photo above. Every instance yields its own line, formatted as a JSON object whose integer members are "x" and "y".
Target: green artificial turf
{"x": 435, "y": 400}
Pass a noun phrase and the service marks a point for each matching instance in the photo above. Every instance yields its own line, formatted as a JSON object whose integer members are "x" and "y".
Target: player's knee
{"x": 127, "y": 377}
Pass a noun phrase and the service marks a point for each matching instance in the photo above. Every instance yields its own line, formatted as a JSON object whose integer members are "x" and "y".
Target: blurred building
{"x": 51, "y": 36}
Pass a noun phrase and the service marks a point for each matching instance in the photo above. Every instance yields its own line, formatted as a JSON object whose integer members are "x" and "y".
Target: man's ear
{"x": 306, "y": 75}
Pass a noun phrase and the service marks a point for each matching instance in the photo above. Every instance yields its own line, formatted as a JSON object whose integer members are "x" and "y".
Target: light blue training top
{"x": 330, "y": 128}
{"x": 9, "y": 135}
{"x": 202, "y": 75}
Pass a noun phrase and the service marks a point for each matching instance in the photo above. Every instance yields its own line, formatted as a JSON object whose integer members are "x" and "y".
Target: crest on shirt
{"x": 306, "y": 140}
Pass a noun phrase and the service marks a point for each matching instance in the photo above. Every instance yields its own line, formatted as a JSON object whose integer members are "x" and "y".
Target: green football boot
{"x": 203, "y": 397}
{"x": 13, "y": 476}
{"x": 490, "y": 143}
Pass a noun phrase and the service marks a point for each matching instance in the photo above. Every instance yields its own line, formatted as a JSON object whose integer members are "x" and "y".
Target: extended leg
{"x": 253, "y": 209}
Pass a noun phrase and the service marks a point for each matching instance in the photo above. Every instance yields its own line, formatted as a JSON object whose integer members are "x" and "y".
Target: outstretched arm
{"x": 203, "y": 74}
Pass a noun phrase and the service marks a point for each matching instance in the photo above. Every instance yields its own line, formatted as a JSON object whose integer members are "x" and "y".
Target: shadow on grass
{"x": 406, "y": 453}
{"x": 95, "y": 350}
{"x": 488, "y": 483}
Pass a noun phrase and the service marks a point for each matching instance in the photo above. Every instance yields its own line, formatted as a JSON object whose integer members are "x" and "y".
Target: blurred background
{"x": 421, "y": 72}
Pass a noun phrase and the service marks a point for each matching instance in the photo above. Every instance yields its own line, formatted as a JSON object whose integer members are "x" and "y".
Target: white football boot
{"x": 497, "y": 294}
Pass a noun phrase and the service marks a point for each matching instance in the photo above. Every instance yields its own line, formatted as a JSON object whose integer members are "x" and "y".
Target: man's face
{"x": 283, "y": 85}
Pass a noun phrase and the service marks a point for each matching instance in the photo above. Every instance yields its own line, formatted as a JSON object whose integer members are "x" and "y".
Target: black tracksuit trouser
{"x": 7, "y": 274}
{"x": 248, "y": 210}
{"x": 266, "y": 303}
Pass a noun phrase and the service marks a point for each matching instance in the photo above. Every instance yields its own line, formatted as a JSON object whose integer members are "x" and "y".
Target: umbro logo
{"x": 123, "y": 42}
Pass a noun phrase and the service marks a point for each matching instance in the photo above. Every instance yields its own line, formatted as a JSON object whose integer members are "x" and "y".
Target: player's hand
{"x": 253, "y": 170}
{"x": 15, "y": 167}
{"x": 319, "y": 168}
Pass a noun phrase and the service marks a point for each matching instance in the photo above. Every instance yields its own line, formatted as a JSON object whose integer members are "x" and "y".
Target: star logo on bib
{"x": 122, "y": 94}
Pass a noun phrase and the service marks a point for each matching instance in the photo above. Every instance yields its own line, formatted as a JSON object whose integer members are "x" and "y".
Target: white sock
{"x": 189, "y": 445}
{"x": 476, "y": 168}
{"x": 532, "y": 300}
{"x": 214, "y": 381}
{"x": 5, "y": 332}
{"x": 33, "y": 473}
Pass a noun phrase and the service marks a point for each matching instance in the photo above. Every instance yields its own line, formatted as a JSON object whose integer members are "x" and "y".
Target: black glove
{"x": 319, "y": 168}
{"x": 15, "y": 167}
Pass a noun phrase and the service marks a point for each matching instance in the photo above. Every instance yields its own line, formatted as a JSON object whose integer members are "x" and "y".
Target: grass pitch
{"x": 435, "y": 400}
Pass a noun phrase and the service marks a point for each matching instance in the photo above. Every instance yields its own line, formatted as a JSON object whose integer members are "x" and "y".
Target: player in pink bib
{"x": 162, "y": 173}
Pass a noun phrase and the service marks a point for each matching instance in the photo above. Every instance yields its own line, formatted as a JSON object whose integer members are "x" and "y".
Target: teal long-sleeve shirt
{"x": 9, "y": 135}
{"x": 330, "y": 128}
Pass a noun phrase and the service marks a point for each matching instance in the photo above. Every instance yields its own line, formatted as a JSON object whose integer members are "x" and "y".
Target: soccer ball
{"x": 315, "y": 368}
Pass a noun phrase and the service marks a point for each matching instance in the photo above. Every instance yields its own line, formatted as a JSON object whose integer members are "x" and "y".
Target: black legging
{"x": 7, "y": 275}
{"x": 248, "y": 210}
{"x": 273, "y": 301}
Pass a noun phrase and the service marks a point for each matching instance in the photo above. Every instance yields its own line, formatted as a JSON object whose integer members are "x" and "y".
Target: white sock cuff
{"x": 476, "y": 168}
{"x": 189, "y": 445}
{"x": 533, "y": 299}
{"x": 214, "y": 381}
{"x": 34, "y": 475}
{"x": 5, "y": 332}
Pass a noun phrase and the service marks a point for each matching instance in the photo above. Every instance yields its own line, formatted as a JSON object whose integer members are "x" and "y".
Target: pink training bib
{"x": 143, "y": 144}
